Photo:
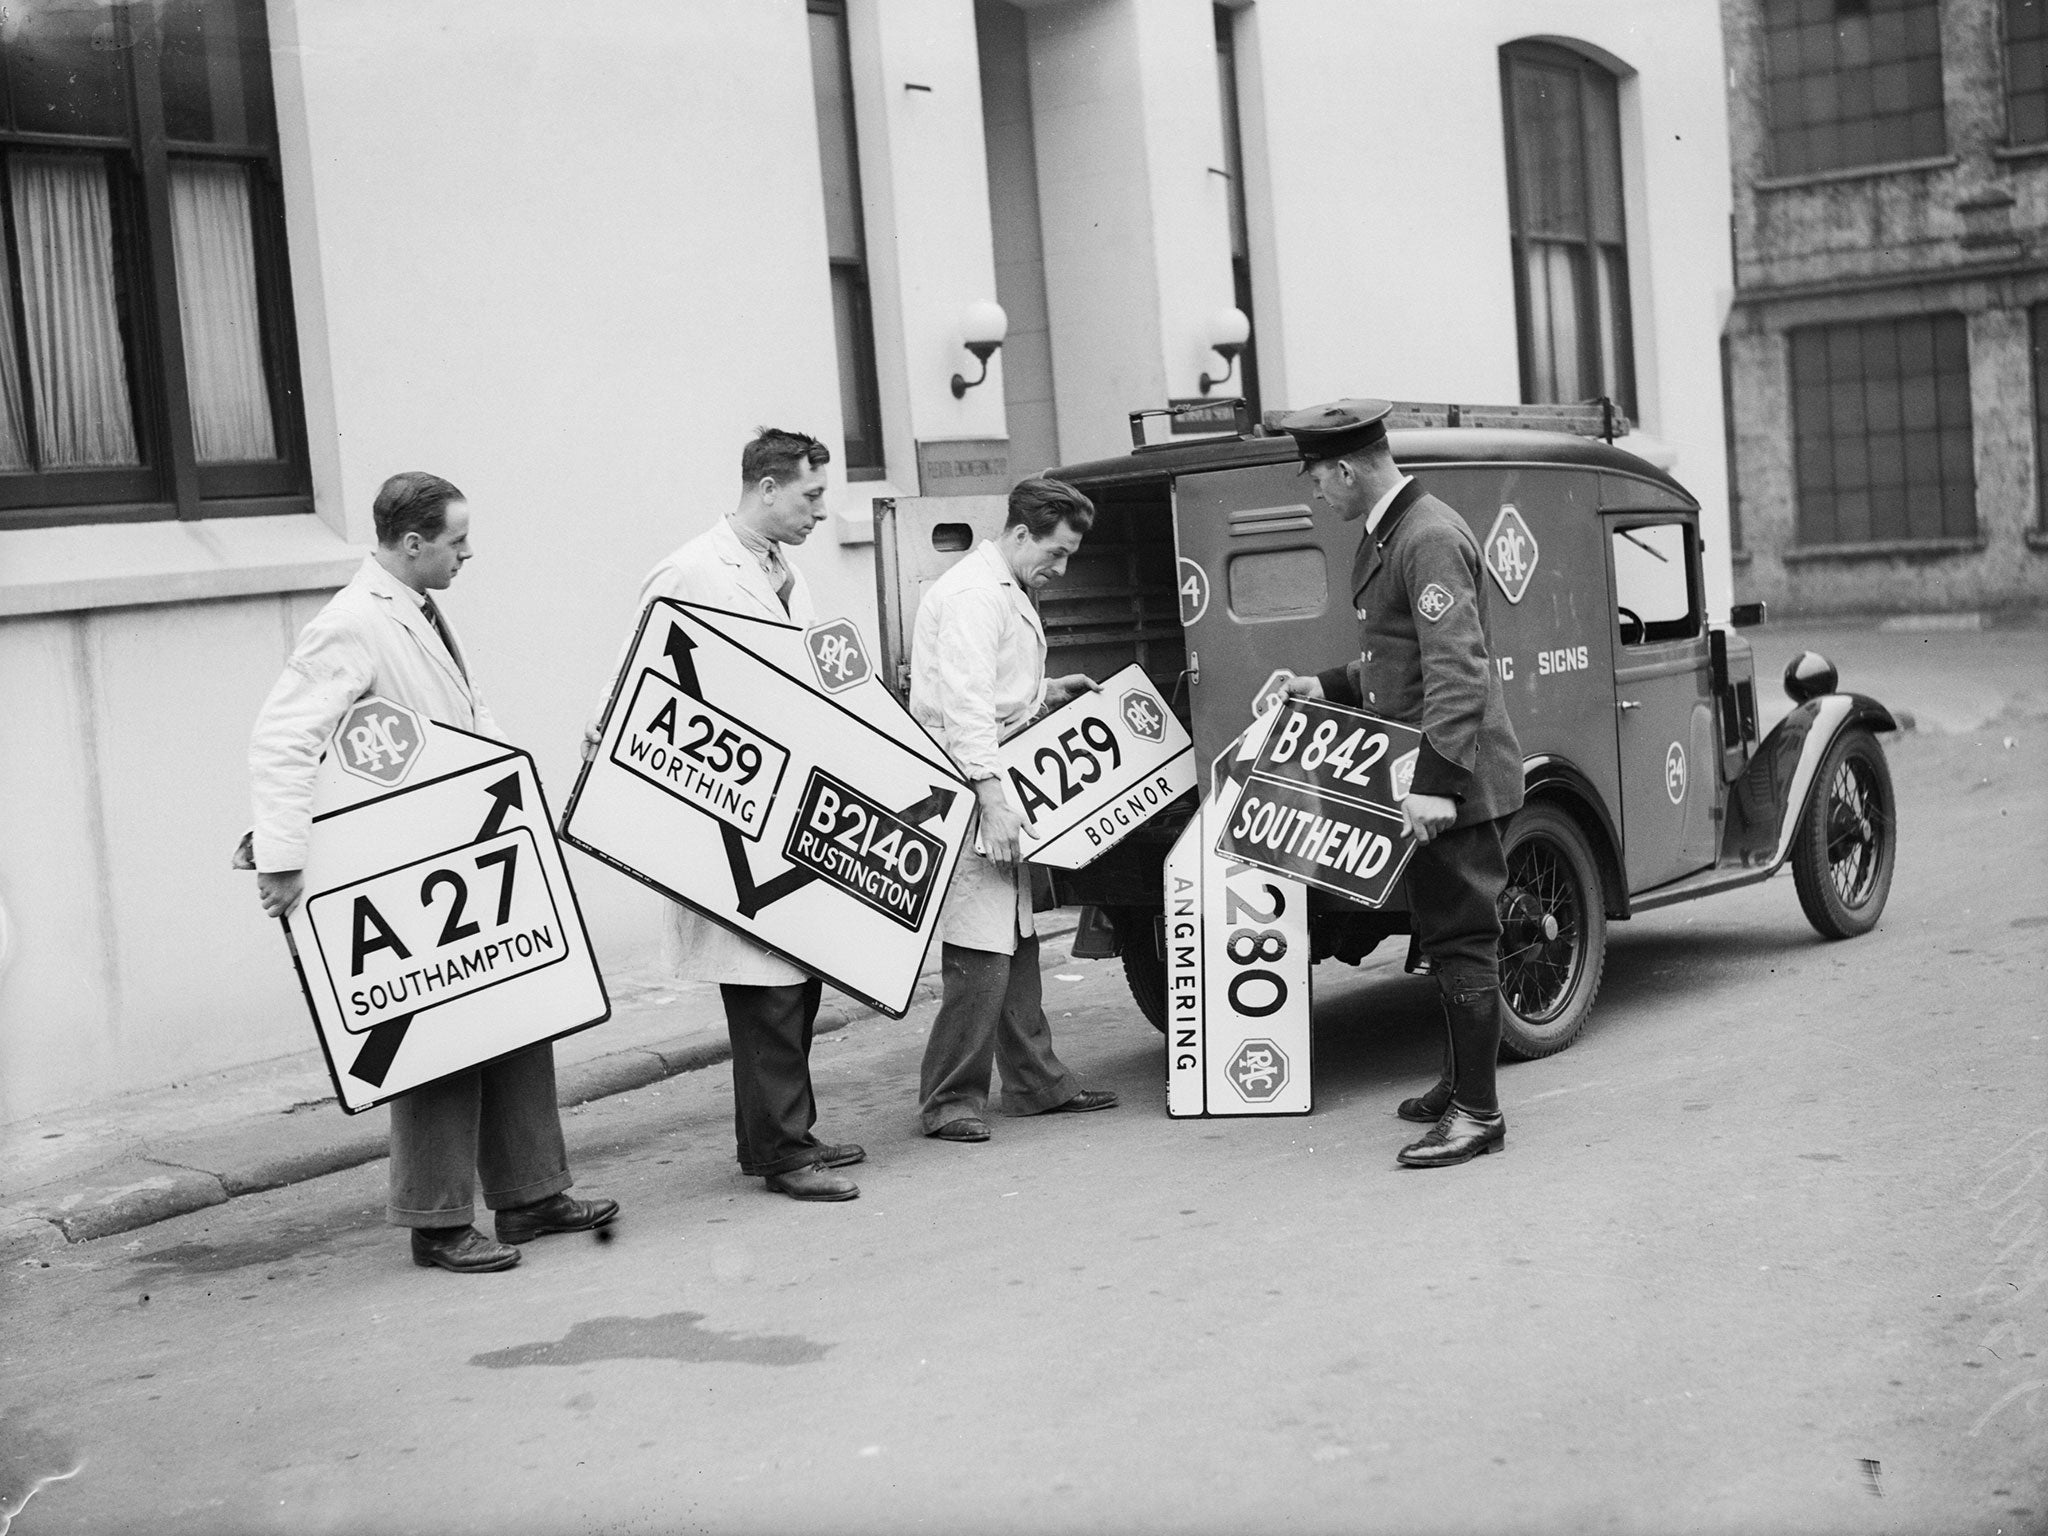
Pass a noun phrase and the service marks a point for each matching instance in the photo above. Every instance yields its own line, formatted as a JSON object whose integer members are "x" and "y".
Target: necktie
{"x": 441, "y": 628}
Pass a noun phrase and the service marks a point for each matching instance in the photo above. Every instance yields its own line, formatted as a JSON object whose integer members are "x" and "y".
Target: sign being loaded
{"x": 764, "y": 776}
{"x": 1322, "y": 802}
{"x": 416, "y": 966}
{"x": 1092, "y": 772}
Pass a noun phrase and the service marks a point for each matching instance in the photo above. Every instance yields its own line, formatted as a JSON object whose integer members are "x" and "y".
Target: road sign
{"x": 1238, "y": 998}
{"x": 1323, "y": 801}
{"x": 1095, "y": 770}
{"x": 822, "y": 827}
{"x": 439, "y": 929}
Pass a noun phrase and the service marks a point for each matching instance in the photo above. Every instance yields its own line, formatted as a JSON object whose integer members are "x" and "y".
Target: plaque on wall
{"x": 968, "y": 466}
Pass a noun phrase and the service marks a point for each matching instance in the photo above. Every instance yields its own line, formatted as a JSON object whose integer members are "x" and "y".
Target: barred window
{"x": 1853, "y": 82}
{"x": 853, "y": 320}
{"x": 1881, "y": 431}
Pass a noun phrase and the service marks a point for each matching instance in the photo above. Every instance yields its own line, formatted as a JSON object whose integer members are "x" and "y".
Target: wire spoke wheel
{"x": 1843, "y": 853}
{"x": 1553, "y": 941}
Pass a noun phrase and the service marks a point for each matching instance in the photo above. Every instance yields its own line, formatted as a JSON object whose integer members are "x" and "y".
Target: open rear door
{"x": 1265, "y": 583}
{"x": 917, "y": 539}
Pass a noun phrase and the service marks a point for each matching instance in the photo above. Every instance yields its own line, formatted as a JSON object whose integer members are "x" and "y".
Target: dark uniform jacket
{"x": 1423, "y": 656}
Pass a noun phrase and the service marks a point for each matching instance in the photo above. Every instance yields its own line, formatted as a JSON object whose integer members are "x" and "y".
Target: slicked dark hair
{"x": 780, "y": 456}
{"x": 1042, "y": 504}
{"x": 413, "y": 502}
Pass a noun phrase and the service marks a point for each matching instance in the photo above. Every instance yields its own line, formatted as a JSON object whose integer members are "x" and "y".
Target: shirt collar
{"x": 1379, "y": 508}
{"x": 762, "y": 548}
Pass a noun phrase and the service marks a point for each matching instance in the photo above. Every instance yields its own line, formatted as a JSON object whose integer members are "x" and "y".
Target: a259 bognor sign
{"x": 763, "y": 775}
{"x": 1322, "y": 803}
{"x": 439, "y": 929}
{"x": 1095, "y": 770}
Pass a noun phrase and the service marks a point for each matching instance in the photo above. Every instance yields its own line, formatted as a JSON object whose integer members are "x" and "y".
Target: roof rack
{"x": 1599, "y": 418}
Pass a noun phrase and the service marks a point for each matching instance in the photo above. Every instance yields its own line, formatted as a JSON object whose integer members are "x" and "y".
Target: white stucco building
{"x": 570, "y": 259}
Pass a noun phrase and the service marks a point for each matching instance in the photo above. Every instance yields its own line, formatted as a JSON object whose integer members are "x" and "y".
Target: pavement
{"x": 125, "y": 1162}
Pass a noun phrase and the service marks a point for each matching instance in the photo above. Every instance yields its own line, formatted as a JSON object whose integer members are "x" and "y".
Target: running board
{"x": 1705, "y": 883}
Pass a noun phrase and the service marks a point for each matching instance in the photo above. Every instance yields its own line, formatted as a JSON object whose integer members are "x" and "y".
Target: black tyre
{"x": 1553, "y": 942}
{"x": 1847, "y": 841}
{"x": 1144, "y": 970}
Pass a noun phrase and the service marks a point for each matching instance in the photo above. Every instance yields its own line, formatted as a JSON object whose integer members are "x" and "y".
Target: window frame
{"x": 1788, "y": 40}
{"x": 1589, "y": 248}
{"x": 170, "y": 484}
{"x": 1692, "y": 624}
{"x": 2009, "y": 12}
{"x": 2037, "y": 337}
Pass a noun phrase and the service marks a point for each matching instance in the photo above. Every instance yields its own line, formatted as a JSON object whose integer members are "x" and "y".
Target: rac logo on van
{"x": 1511, "y": 553}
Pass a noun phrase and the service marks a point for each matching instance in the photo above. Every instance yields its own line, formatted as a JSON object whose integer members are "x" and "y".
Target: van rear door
{"x": 1265, "y": 582}
{"x": 917, "y": 540}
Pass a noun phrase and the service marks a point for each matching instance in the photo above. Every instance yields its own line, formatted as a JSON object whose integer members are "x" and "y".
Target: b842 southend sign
{"x": 1323, "y": 801}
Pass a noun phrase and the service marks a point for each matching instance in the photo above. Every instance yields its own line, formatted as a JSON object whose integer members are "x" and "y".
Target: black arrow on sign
{"x": 752, "y": 898}
{"x": 380, "y": 1046}
{"x": 678, "y": 650}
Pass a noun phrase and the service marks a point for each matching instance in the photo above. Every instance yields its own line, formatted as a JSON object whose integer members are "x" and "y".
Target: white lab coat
{"x": 716, "y": 569}
{"x": 372, "y": 637}
{"x": 977, "y": 673}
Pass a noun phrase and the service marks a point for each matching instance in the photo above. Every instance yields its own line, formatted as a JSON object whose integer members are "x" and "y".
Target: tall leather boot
{"x": 1472, "y": 1124}
{"x": 1429, "y": 1108}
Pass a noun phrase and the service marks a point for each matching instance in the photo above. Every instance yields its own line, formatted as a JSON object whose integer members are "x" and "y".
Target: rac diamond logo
{"x": 837, "y": 655}
{"x": 1511, "y": 553}
{"x": 1141, "y": 713}
{"x": 379, "y": 741}
{"x": 1258, "y": 1071}
{"x": 1433, "y": 602}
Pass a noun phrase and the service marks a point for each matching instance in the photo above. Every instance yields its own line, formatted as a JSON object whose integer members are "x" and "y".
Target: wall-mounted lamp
{"x": 1229, "y": 330}
{"x": 983, "y": 325}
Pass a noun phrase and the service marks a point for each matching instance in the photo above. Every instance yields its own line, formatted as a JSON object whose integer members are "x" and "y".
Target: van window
{"x": 1655, "y": 597}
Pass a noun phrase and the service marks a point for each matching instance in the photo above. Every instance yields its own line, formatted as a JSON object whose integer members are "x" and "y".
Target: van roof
{"x": 1414, "y": 448}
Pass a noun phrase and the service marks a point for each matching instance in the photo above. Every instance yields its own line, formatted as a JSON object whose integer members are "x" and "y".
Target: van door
{"x": 1264, "y": 579}
{"x": 917, "y": 540}
{"x": 1662, "y": 698}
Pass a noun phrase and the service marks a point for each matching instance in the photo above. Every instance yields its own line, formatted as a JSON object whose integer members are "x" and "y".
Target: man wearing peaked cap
{"x": 1423, "y": 658}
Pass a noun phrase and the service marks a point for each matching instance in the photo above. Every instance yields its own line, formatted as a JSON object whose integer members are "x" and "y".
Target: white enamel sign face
{"x": 439, "y": 929}
{"x": 1091, "y": 773}
{"x": 1239, "y": 1007}
{"x": 823, "y": 827}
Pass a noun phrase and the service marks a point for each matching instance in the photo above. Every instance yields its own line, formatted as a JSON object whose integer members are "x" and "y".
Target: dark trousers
{"x": 993, "y": 1011}
{"x": 496, "y": 1122}
{"x": 1454, "y": 886}
{"x": 773, "y": 1107}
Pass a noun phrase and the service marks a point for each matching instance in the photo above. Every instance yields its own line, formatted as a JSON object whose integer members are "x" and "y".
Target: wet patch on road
{"x": 192, "y": 1260}
{"x": 667, "y": 1336}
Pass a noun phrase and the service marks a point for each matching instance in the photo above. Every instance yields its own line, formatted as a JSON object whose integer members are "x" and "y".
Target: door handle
{"x": 1626, "y": 704}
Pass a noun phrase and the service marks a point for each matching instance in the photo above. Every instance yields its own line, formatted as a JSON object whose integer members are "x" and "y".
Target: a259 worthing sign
{"x": 762, "y": 774}
{"x": 439, "y": 929}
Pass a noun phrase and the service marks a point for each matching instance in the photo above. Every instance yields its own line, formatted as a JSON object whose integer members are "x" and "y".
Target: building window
{"x": 1570, "y": 254}
{"x": 853, "y": 321}
{"x": 1853, "y": 82}
{"x": 2039, "y": 315}
{"x": 1881, "y": 431}
{"x": 1233, "y": 163}
{"x": 2026, "y": 71}
{"x": 147, "y": 369}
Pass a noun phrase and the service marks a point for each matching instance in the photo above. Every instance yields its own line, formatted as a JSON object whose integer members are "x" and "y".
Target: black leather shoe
{"x": 1430, "y": 1107}
{"x": 1085, "y": 1100}
{"x": 557, "y": 1213}
{"x": 841, "y": 1155}
{"x": 968, "y": 1129}
{"x": 1458, "y": 1137}
{"x": 464, "y": 1250}
{"x": 813, "y": 1183}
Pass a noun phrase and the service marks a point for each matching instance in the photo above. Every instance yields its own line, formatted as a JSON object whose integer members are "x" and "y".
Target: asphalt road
{"x": 1765, "y": 1253}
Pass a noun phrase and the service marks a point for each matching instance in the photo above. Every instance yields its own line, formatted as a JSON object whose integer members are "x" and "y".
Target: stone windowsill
{"x": 1882, "y": 549}
{"x": 2019, "y": 151}
{"x": 2037, "y": 538}
{"x": 121, "y": 565}
{"x": 1853, "y": 173}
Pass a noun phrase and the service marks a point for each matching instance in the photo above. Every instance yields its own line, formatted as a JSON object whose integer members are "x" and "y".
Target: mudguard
{"x": 1766, "y": 803}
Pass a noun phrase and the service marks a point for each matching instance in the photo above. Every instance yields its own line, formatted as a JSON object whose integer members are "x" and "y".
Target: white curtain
{"x": 77, "y": 371}
{"x": 214, "y": 242}
{"x": 13, "y": 423}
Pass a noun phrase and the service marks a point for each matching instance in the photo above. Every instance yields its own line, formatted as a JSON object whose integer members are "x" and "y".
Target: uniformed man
{"x": 383, "y": 634}
{"x": 1423, "y": 659}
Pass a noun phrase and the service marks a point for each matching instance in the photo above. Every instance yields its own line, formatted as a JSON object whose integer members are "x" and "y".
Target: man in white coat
{"x": 771, "y": 1006}
{"x": 977, "y": 660}
{"x": 382, "y": 634}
